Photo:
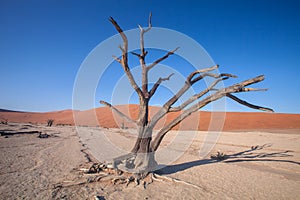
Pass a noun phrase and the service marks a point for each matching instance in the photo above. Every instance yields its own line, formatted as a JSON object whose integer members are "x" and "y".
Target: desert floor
{"x": 258, "y": 165}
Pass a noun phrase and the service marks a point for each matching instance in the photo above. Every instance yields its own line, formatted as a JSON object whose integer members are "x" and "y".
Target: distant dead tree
{"x": 4, "y": 121}
{"x": 50, "y": 122}
{"x": 142, "y": 156}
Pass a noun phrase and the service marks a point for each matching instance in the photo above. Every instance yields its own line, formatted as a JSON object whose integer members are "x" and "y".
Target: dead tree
{"x": 142, "y": 156}
{"x": 4, "y": 121}
{"x": 50, "y": 122}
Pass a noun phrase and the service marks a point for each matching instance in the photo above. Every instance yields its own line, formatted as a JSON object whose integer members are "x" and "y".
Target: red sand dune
{"x": 202, "y": 120}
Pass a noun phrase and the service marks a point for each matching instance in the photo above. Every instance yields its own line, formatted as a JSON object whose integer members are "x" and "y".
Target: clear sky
{"x": 43, "y": 43}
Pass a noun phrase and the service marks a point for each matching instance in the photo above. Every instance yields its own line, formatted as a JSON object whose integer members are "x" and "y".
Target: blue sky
{"x": 43, "y": 43}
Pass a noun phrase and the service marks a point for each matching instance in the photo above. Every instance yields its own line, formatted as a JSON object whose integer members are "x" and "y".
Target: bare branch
{"x": 194, "y": 73}
{"x": 117, "y": 59}
{"x": 252, "y": 81}
{"x": 188, "y": 83}
{"x": 136, "y": 54}
{"x": 215, "y": 96}
{"x": 124, "y": 60}
{"x": 253, "y": 89}
{"x": 248, "y": 104}
{"x": 210, "y": 75}
{"x": 122, "y": 49}
{"x": 141, "y": 57}
{"x": 143, "y": 31}
{"x": 248, "y": 89}
{"x": 149, "y": 22}
{"x": 158, "y": 82}
{"x": 211, "y": 88}
{"x": 120, "y": 31}
{"x": 197, "y": 96}
{"x": 162, "y": 58}
{"x": 140, "y": 27}
{"x": 119, "y": 112}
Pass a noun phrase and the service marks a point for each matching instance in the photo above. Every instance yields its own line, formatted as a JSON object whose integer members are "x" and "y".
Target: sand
{"x": 49, "y": 168}
{"x": 103, "y": 117}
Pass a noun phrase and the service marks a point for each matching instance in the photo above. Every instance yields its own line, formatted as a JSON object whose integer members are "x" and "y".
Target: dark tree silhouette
{"x": 142, "y": 156}
{"x": 50, "y": 122}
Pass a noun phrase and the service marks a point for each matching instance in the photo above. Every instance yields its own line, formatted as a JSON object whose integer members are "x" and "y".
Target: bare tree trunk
{"x": 145, "y": 158}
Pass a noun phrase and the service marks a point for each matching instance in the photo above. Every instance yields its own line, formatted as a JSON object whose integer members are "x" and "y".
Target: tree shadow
{"x": 243, "y": 156}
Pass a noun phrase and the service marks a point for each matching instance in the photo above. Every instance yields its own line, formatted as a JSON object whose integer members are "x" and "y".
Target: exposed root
{"x": 119, "y": 177}
{"x": 129, "y": 180}
{"x": 160, "y": 178}
{"x": 153, "y": 176}
{"x": 105, "y": 173}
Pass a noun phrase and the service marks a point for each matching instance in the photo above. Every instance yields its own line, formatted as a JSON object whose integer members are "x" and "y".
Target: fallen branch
{"x": 4, "y": 133}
